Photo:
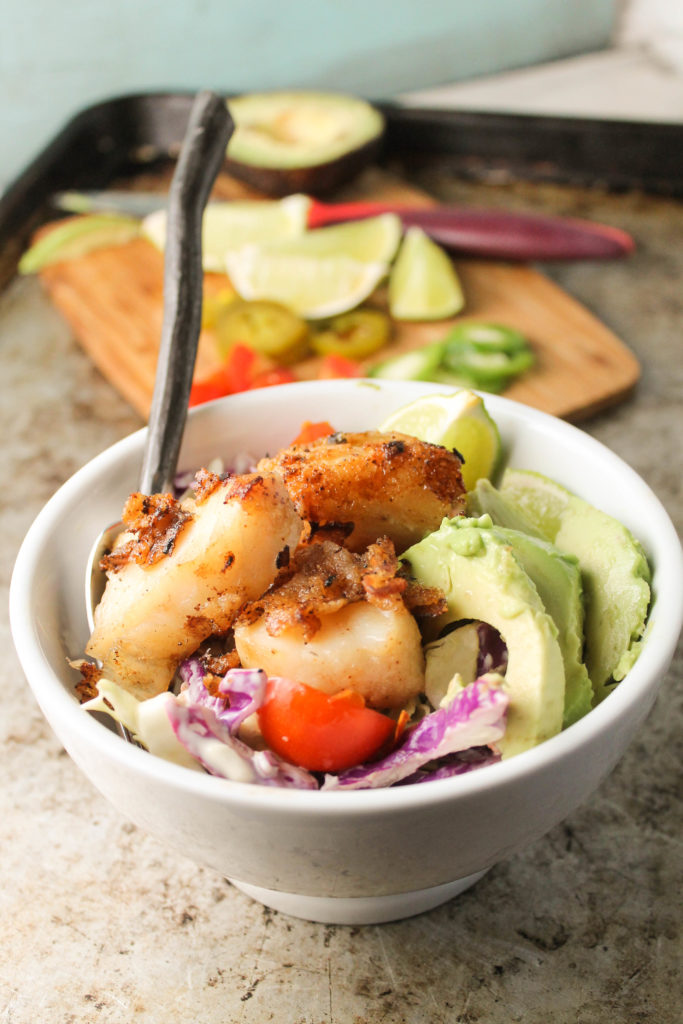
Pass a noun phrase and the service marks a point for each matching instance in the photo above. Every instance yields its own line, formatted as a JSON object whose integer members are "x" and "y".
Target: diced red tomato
{"x": 242, "y": 363}
{"x": 244, "y": 369}
{"x": 313, "y": 431}
{"x": 215, "y": 386}
{"x": 241, "y": 369}
{"x": 320, "y": 732}
{"x": 333, "y": 366}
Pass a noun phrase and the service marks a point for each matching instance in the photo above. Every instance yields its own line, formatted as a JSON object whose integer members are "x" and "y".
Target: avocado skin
{"x": 316, "y": 180}
{"x": 615, "y": 574}
{"x": 556, "y": 576}
{"x": 483, "y": 579}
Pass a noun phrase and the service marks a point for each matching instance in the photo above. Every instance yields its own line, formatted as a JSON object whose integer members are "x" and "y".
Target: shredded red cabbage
{"x": 208, "y": 740}
{"x": 243, "y": 462}
{"x": 243, "y": 691}
{"x": 454, "y": 764}
{"x": 474, "y": 718}
{"x": 183, "y": 482}
{"x": 450, "y": 741}
{"x": 493, "y": 652}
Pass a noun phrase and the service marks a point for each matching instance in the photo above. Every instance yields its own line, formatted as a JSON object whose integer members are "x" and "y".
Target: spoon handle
{"x": 202, "y": 154}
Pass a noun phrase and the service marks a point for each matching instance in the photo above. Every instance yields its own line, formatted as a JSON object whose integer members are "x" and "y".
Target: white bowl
{"x": 344, "y": 857}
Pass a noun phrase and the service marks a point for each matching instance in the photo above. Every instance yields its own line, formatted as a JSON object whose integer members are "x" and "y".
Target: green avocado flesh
{"x": 614, "y": 571}
{"x": 483, "y": 578}
{"x": 301, "y": 141}
{"x": 485, "y": 499}
{"x": 557, "y": 579}
{"x": 448, "y": 657}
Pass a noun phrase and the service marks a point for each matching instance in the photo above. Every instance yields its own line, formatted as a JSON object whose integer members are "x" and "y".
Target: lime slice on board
{"x": 228, "y": 226}
{"x": 374, "y": 240}
{"x": 457, "y": 421}
{"x": 76, "y": 237}
{"x": 423, "y": 284}
{"x": 311, "y": 286}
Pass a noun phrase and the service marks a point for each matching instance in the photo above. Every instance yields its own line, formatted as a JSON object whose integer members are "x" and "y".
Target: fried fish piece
{"x": 227, "y": 551}
{"x": 374, "y": 651}
{"x": 371, "y": 484}
{"x": 338, "y": 620}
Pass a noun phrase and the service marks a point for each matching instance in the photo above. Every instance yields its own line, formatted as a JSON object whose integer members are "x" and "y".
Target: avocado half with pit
{"x": 304, "y": 141}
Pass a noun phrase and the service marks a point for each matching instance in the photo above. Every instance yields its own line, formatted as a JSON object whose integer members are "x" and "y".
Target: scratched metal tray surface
{"x": 124, "y": 136}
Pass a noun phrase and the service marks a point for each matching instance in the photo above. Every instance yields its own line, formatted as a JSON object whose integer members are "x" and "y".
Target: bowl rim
{"x": 642, "y": 680}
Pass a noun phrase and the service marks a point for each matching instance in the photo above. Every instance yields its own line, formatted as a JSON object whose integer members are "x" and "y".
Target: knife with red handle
{"x": 491, "y": 234}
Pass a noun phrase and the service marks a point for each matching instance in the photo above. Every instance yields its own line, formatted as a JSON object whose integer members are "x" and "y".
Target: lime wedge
{"x": 77, "y": 236}
{"x": 457, "y": 421}
{"x": 423, "y": 284}
{"x": 311, "y": 286}
{"x": 228, "y": 226}
{"x": 374, "y": 240}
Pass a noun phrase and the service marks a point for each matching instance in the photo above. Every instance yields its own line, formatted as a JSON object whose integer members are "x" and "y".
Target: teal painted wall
{"x": 59, "y": 56}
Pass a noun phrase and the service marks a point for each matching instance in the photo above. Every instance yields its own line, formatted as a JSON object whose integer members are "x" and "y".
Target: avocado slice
{"x": 614, "y": 570}
{"x": 557, "y": 578}
{"x": 454, "y": 655}
{"x": 485, "y": 499}
{"x": 301, "y": 141}
{"x": 483, "y": 578}
{"x": 463, "y": 652}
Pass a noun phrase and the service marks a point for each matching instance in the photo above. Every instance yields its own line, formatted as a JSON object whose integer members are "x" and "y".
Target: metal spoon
{"x": 209, "y": 128}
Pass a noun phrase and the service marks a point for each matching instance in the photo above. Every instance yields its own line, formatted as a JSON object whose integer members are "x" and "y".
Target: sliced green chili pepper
{"x": 266, "y": 327}
{"x": 483, "y": 356}
{"x": 488, "y": 337}
{"x": 485, "y": 366}
{"x": 354, "y": 335}
{"x": 488, "y": 355}
{"x": 464, "y": 380}
{"x": 418, "y": 364}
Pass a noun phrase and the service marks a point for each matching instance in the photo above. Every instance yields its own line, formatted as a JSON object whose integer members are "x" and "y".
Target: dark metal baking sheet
{"x": 126, "y": 135}
{"x": 616, "y": 155}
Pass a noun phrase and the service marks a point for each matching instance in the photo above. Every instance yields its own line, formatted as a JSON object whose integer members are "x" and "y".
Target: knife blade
{"x": 482, "y": 233}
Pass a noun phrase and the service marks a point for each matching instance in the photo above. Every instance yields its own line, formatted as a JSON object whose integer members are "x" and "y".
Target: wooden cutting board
{"x": 112, "y": 299}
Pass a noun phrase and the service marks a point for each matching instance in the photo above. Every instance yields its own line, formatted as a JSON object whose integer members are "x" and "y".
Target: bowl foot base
{"x": 358, "y": 909}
